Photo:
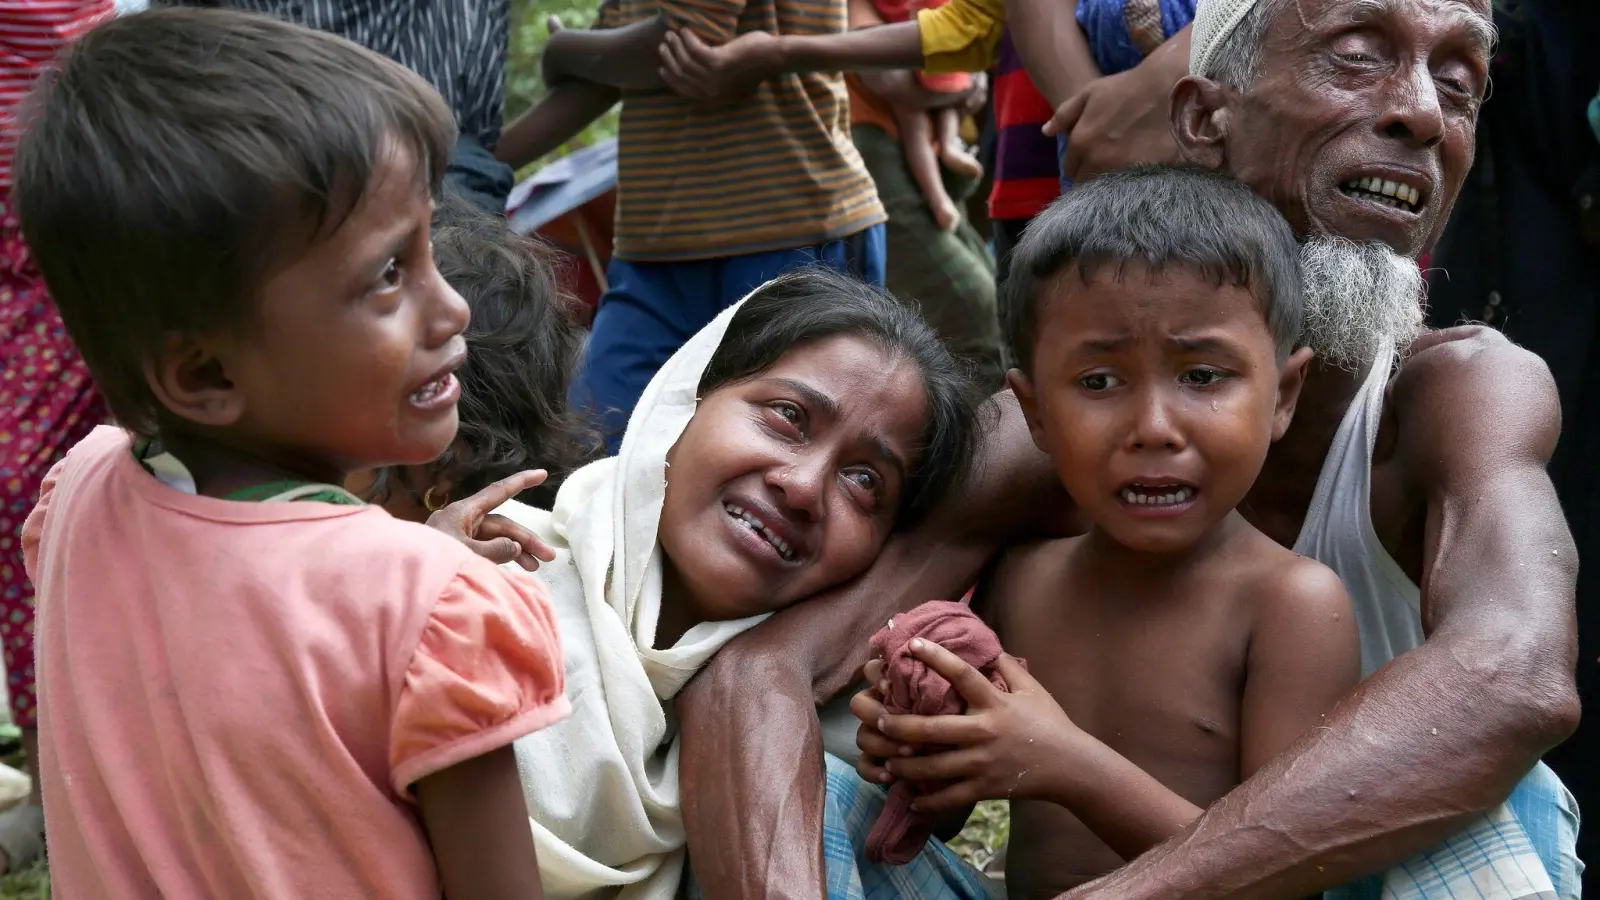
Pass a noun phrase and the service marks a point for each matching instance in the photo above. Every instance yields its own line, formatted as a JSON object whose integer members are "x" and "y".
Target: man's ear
{"x": 189, "y": 379}
{"x": 1291, "y": 378}
{"x": 1022, "y": 386}
{"x": 1202, "y": 112}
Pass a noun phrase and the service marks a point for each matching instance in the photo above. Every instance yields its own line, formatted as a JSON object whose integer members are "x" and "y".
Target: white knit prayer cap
{"x": 1214, "y": 20}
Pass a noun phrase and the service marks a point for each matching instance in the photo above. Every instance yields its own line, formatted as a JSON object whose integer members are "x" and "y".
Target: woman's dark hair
{"x": 816, "y": 303}
{"x": 522, "y": 347}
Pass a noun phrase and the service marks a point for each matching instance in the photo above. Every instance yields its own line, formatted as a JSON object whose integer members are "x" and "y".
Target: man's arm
{"x": 1054, "y": 49}
{"x": 554, "y": 120}
{"x": 1445, "y": 731}
{"x": 751, "y": 767}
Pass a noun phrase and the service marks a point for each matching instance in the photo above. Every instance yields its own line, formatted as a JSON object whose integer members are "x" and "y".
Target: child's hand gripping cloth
{"x": 915, "y": 689}
{"x": 602, "y": 787}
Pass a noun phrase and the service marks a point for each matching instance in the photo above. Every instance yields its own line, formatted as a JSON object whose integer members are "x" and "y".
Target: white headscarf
{"x": 602, "y": 785}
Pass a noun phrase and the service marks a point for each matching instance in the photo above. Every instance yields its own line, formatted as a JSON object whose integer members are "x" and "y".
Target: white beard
{"x": 1358, "y": 298}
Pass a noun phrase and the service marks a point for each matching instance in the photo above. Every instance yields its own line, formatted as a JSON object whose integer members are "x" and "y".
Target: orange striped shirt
{"x": 772, "y": 172}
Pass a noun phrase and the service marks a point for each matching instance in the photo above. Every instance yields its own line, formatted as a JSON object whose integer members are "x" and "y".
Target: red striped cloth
{"x": 31, "y": 33}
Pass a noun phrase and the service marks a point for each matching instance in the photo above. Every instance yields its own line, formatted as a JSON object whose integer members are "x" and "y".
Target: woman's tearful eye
{"x": 865, "y": 483}
{"x": 788, "y": 417}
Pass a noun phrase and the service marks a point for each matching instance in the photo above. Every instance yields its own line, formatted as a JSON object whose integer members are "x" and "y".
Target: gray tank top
{"x": 1338, "y": 531}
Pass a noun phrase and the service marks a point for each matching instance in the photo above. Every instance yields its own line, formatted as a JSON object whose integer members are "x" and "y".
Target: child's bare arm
{"x": 695, "y": 69}
{"x": 623, "y": 58}
{"x": 563, "y": 112}
{"x": 478, "y": 825}
{"x": 1305, "y": 654}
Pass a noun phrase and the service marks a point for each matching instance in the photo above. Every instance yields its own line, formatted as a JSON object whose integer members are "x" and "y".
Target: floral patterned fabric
{"x": 47, "y": 404}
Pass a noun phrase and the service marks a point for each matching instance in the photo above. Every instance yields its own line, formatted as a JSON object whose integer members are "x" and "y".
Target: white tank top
{"x": 1338, "y": 531}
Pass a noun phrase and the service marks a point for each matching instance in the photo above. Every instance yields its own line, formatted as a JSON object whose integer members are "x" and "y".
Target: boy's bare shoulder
{"x": 1026, "y": 562}
{"x": 1282, "y": 582}
{"x": 1020, "y": 573}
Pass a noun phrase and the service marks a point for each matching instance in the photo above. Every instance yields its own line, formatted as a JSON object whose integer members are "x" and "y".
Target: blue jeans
{"x": 651, "y": 309}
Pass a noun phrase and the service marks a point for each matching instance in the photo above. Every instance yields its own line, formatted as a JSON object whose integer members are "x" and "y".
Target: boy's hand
{"x": 875, "y": 746}
{"x": 1015, "y": 744}
{"x": 496, "y": 538}
{"x": 701, "y": 72}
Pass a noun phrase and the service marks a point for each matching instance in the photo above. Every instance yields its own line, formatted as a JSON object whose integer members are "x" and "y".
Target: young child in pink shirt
{"x": 252, "y": 684}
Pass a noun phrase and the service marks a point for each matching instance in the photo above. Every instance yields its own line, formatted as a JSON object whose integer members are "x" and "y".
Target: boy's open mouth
{"x": 754, "y": 523}
{"x": 1157, "y": 494}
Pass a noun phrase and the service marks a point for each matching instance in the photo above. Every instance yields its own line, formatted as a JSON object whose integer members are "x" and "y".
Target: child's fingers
{"x": 695, "y": 48}
{"x": 679, "y": 72}
{"x": 867, "y": 706}
{"x": 498, "y": 551}
{"x": 495, "y": 495}
{"x": 954, "y": 731}
{"x": 873, "y": 673}
{"x": 871, "y": 771}
{"x": 696, "y": 61}
{"x": 951, "y": 765}
{"x": 530, "y": 549}
{"x": 960, "y": 795}
{"x": 499, "y": 526}
{"x": 873, "y": 743}
{"x": 969, "y": 682}
{"x": 1017, "y": 676}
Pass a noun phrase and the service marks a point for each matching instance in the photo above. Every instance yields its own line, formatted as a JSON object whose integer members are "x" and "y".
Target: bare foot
{"x": 958, "y": 160}
{"x": 945, "y": 214}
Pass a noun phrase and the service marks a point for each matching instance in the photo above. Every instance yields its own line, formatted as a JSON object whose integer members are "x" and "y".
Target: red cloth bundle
{"x": 914, "y": 689}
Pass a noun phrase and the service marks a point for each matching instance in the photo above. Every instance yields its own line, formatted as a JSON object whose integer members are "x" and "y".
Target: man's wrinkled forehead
{"x": 1470, "y": 17}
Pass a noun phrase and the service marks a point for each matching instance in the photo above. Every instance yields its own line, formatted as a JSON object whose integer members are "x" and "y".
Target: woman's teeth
{"x": 431, "y": 390}
{"x": 1387, "y": 193}
{"x": 1151, "y": 498}
{"x": 759, "y": 527}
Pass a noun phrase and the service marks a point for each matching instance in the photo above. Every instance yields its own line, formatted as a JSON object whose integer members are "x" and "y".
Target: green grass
{"x": 32, "y": 883}
{"x": 985, "y": 834}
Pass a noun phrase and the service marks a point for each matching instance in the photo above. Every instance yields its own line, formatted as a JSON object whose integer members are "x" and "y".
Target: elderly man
{"x": 1356, "y": 117}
